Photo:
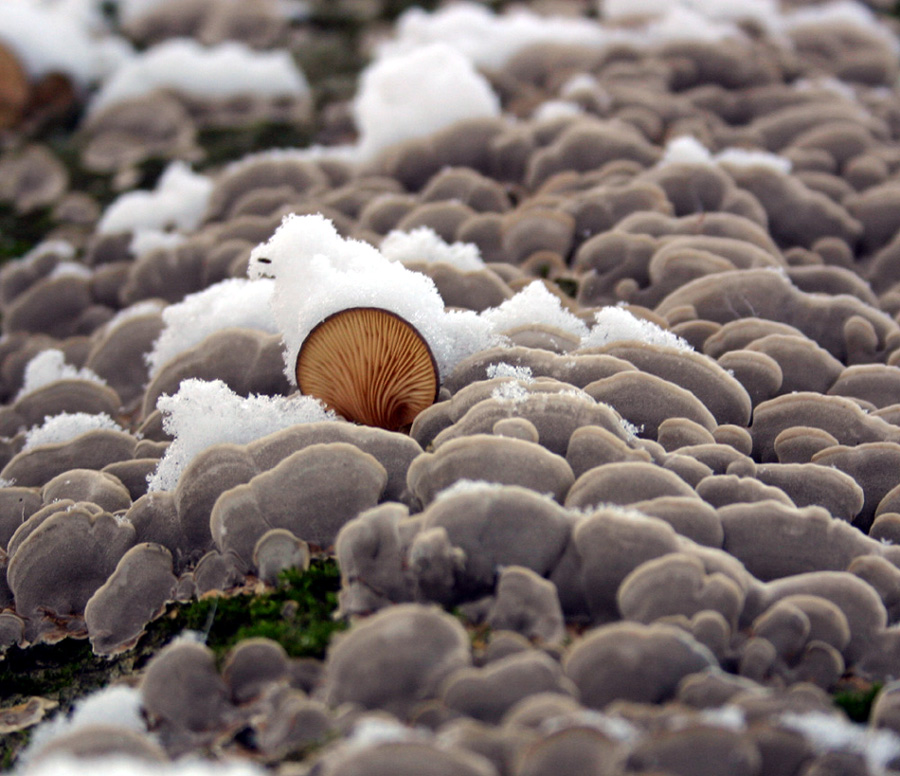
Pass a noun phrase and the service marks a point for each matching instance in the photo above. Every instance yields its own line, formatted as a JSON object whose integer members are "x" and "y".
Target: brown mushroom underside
{"x": 370, "y": 366}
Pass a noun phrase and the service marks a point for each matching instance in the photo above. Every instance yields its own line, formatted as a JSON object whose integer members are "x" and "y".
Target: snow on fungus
{"x": 184, "y": 65}
{"x": 405, "y": 96}
{"x": 370, "y": 366}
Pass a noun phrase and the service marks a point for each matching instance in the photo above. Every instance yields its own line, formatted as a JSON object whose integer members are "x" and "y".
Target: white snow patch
{"x": 534, "y": 304}
{"x": 686, "y": 149}
{"x": 417, "y": 93}
{"x": 66, "y": 426}
{"x": 183, "y": 65}
{"x": 511, "y": 391}
{"x": 47, "y": 367}
{"x": 204, "y": 413}
{"x": 232, "y": 303}
{"x": 118, "y": 706}
{"x": 148, "y": 239}
{"x": 423, "y": 244}
{"x": 178, "y": 202}
{"x": 551, "y": 110}
{"x": 502, "y": 369}
{"x": 57, "y": 37}
{"x": 615, "y": 324}
{"x": 126, "y": 766}
{"x": 830, "y": 732}
{"x": 318, "y": 273}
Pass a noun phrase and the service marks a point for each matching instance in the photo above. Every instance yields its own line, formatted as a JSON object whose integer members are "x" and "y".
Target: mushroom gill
{"x": 370, "y": 366}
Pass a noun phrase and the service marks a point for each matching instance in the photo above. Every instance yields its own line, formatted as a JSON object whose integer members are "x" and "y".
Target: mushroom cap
{"x": 14, "y": 88}
{"x": 370, "y": 366}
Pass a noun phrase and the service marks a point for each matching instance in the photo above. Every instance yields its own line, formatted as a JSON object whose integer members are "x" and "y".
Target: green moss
{"x": 569, "y": 286}
{"x": 299, "y": 614}
{"x": 857, "y": 702}
{"x": 20, "y": 233}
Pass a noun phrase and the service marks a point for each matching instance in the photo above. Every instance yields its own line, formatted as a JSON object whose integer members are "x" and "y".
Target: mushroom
{"x": 369, "y": 365}
{"x": 14, "y": 88}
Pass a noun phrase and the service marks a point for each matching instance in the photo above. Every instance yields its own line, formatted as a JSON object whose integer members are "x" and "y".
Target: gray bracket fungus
{"x": 697, "y": 750}
{"x": 801, "y": 539}
{"x": 493, "y": 459}
{"x": 878, "y": 384}
{"x": 277, "y": 550}
{"x": 486, "y": 694}
{"x": 633, "y": 662}
{"x": 408, "y": 758}
{"x": 875, "y": 466}
{"x": 246, "y": 360}
{"x": 724, "y": 489}
{"x": 624, "y": 483}
{"x": 573, "y": 369}
{"x": 97, "y": 741}
{"x": 798, "y": 444}
{"x": 769, "y": 294}
{"x": 16, "y": 506}
{"x": 646, "y": 400}
{"x": 678, "y": 583}
{"x": 500, "y": 526}
{"x": 100, "y": 488}
{"x": 251, "y": 665}
{"x": 592, "y": 446}
{"x": 858, "y": 601}
{"x": 526, "y": 603}
{"x": 134, "y": 594}
{"x": 59, "y": 396}
{"x": 117, "y": 355}
{"x": 721, "y": 393}
{"x": 226, "y": 466}
{"x": 804, "y": 365}
{"x": 311, "y": 493}
{"x": 842, "y": 418}
{"x": 395, "y": 659}
{"x": 693, "y": 519}
{"x": 53, "y": 305}
{"x": 182, "y": 690}
{"x": 90, "y": 450}
{"x": 64, "y": 560}
{"x": 475, "y": 290}
{"x": 555, "y": 416}
{"x": 813, "y": 484}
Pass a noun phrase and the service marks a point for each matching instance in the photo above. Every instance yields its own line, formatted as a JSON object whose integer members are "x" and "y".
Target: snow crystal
{"x": 686, "y": 149}
{"x": 232, "y": 303}
{"x": 487, "y": 39}
{"x": 764, "y": 12}
{"x": 511, "y": 391}
{"x": 318, "y": 273}
{"x": 425, "y": 245}
{"x": 126, "y": 766}
{"x": 830, "y": 732}
{"x": 34, "y": 30}
{"x": 47, "y": 367}
{"x": 406, "y": 96}
{"x": 146, "y": 240}
{"x": 534, "y": 304}
{"x": 551, "y": 110}
{"x": 119, "y": 706}
{"x": 205, "y": 413}
{"x": 66, "y": 426}
{"x": 178, "y": 201}
{"x": 522, "y": 373}
{"x": 614, "y": 324}
{"x": 183, "y": 65}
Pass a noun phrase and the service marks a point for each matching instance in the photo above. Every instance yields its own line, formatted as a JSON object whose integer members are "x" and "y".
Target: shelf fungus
{"x": 370, "y": 366}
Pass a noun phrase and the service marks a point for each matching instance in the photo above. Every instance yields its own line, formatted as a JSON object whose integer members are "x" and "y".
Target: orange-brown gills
{"x": 370, "y": 366}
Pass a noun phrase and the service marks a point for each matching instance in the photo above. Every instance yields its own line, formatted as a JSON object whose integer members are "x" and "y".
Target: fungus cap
{"x": 370, "y": 366}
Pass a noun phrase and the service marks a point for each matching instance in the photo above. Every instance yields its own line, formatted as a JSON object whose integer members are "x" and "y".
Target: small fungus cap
{"x": 370, "y": 366}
